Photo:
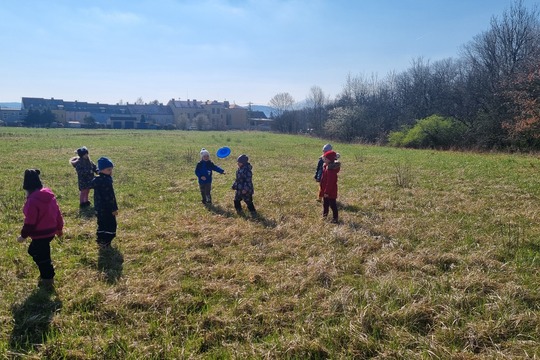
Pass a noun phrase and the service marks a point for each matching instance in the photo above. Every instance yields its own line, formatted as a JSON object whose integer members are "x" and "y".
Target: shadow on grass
{"x": 87, "y": 212}
{"x": 348, "y": 207}
{"x": 32, "y": 319}
{"x": 532, "y": 246}
{"x": 261, "y": 219}
{"x": 219, "y": 210}
{"x": 111, "y": 264}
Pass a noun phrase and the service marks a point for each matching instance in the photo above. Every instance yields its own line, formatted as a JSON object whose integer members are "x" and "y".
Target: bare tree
{"x": 202, "y": 122}
{"x": 316, "y": 106}
{"x": 282, "y": 102}
{"x": 509, "y": 45}
{"x": 494, "y": 57}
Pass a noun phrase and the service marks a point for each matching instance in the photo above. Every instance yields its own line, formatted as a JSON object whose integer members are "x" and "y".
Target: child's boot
{"x": 46, "y": 284}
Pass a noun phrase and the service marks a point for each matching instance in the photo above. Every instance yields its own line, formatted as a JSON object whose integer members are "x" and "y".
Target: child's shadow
{"x": 348, "y": 207}
{"x": 219, "y": 210}
{"x": 110, "y": 263}
{"x": 32, "y": 319}
{"x": 87, "y": 212}
{"x": 261, "y": 219}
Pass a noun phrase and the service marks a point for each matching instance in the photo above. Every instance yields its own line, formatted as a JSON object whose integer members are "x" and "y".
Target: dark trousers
{"x": 106, "y": 228}
{"x": 206, "y": 193}
{"x": 330, "y": 203}
{"x": 40, "y": 251}
{"x": 248, "y": 199}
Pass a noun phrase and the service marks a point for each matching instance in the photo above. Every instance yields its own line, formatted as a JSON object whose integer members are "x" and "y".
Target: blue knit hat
{"x": 104, "y": 163}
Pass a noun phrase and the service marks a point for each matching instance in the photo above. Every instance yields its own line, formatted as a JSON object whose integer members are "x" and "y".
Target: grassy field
{"x": 436, "y": 256}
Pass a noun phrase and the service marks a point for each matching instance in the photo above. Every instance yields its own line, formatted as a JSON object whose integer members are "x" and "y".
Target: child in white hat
{"x": 203, "y": 170}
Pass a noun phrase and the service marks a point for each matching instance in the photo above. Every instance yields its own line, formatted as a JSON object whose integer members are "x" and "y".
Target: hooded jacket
{"x": 244, "y": 180}
{"x": 42, "y": 216}
{"x": 104, "y": 197}
{"x": 205, "y": 168}
{"x": 85, "y": 171}
{"x": 329, "y": 180}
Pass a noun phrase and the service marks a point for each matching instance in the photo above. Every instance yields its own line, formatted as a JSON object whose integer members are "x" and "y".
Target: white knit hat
{"x": 204, "y": 152}
{"x": 326, "y": 148}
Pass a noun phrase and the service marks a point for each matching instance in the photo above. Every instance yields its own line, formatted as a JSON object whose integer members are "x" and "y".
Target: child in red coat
{"x": 328, "y": 185}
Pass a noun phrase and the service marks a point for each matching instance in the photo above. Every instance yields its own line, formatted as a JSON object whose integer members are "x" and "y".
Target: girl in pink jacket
{"x": 42, "y": 221}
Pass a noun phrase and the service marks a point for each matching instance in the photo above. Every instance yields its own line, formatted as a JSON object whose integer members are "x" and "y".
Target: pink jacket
{"x": 42, "y": 216}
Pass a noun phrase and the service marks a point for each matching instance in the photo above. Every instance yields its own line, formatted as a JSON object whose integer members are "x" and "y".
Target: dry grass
{"x": 447, "y": 268}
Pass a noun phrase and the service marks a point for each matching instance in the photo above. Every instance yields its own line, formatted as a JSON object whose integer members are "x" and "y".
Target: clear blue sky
{"x": 237, "y": 50}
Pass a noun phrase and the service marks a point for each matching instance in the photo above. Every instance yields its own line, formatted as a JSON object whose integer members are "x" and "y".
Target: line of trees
{"x": 487, "y": 98}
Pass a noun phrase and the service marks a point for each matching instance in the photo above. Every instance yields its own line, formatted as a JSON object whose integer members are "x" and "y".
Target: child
{"x": 320, "y": 163}
{"x": 203, "y": 170}
{"x": 105, "y": 203}
{"x": 244, "y": 186}
{"x": 42, "y": 221}
{"x": 85, "y": 172}
{"x": 328, "y": 184}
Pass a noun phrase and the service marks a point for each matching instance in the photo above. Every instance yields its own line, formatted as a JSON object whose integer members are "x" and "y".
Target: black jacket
{"x": 104, "y": 197}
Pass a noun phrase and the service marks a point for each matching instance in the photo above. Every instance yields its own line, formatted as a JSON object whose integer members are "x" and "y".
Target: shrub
{"x": 434, "y": 131}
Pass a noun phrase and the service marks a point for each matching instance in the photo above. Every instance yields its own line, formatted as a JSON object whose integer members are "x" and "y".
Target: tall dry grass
{"x": 446, "y": 267}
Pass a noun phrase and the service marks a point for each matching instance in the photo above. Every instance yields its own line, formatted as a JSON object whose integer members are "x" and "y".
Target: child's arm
{"x": 218, "y": 169}
{"x": 198, "y": 171}
{"x": 30, "y": 220}
{"x": 59, "y": 222}
{"x": 247, "y": 187}
{"x": 318, "y": 171}
{"x": 74, "y": 160}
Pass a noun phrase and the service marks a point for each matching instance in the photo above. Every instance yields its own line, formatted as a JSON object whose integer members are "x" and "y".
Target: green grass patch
{"x": 437, "y": 254}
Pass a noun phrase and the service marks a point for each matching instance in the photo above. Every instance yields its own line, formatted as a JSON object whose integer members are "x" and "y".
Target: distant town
{"x": 190, "y": 114}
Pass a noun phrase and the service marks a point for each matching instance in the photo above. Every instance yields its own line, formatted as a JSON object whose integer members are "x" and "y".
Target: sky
{"x": 242, "y": 51}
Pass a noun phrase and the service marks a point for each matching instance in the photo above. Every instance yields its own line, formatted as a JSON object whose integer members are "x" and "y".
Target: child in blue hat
{"x": 105, "y": 203}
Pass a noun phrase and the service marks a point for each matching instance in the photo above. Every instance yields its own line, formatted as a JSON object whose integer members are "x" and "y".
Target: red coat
{"x": 329, "y": 180}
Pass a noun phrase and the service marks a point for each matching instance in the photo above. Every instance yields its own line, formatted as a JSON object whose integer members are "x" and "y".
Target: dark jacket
{"x": 104, "y": 197}
{"x": 244, "y": 180}
{"x": 204, "y": 168}
{"x": 318, "y": 171}
{"x": 85, "y": 171}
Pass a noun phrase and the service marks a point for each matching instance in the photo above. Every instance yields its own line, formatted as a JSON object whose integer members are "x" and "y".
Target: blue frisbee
{"x": 223, "y": 152}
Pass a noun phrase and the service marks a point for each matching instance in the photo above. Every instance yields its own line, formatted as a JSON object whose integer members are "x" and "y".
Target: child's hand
{"x": 325, "y": 195}
{"x": 115, "y": 213}
{"x": 223, "y": 173}
{"x": 21, "y": 239}
{"x": 203, "y": 178}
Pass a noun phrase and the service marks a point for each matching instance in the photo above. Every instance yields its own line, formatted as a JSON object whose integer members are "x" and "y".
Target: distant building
{"x": 152, "y": 113}
{"x": 123, "y": 122}
{"x": 259, "y": 121}
{"x": 12, "y": 117}
{"x": 218, "y": 115}
{"x": 187, "y": 114}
